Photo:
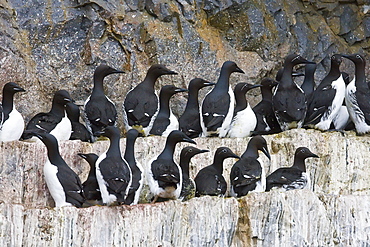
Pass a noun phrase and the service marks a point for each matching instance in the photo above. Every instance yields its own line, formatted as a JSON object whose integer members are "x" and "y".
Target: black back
{"x": 209, "y": 180}
{"x": 308, "y": 85}
{"x": 79, "y": 131}
{"x": 190, "y": 120}
{"x": 141, "y": 103}
{"x": 91, "y": 186}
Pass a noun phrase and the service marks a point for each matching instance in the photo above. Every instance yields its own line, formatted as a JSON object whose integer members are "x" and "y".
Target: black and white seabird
{"x": 308, "y": 85}
{"x": 342, "y": 121}
{"x": 188, "y": 184}
{"x": 136, "y": 168}
{"x": 112, "y": 171}
{"x": 164, "y": 174}
{"x": 244, "y": 119}
{"x": 165, "y": 121}
{"x": 99, "y": 110}
{"x": 248, "y": 173}
{"x": 79, "y": 131}
{"x": 327, "y": 99}
{"x": 294, "y": 177}
{"x": 266, "y": 119}
{"x": 209, "y": 180}
{"x": 218, "y": 105}
{"x": 91, "y": 186}
{"x": 357, "y": 96}
{"x": 289, "y": 101}
{"x": 12, "y": 125}
{"x": 63, "y": 183}
{"x": 190, "y": 119}
{"x": 141, "y": 103}
{"x": 54, "y": 122}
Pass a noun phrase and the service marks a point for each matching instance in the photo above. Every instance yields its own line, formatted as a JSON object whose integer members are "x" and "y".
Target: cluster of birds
{"x": 223, "y": 113}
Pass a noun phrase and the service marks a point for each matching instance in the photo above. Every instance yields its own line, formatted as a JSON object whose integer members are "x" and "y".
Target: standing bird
{"x": 112, "y": 171}
{"x": 54, "y": 122}
{"x": 357, "y": 96}
{"x": 248, "y": 174}
{"x": 209, "y": 180}
{"x": 188, "y": 184}
{"x": 164, "y": 174}
{"x": 308, "y": 85}
{"x": 190, "y": 119}
{"x": 289, "y": 101}
{"x": 244, "y": 120}
{"x": 218, "y": 105}
{"x": 79, "y": 131}
{"x": 266, "y": 119}
{"x": 136, "y": 168}
{"x": 63, "y": 183}
{"x": 100, "y": 111}
{"x": 294, "y": 177}
{"x": 12, "y": 123}
{"x": 141, "y": 103}
{"x": 327, "y": 99}
{"x": 91, "y": 186}
{"x": 165, "y": 121}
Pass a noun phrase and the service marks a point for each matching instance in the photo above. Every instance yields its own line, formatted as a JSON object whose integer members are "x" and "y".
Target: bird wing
{"x": 71, "y": 185}
{"x": 102, "y": 116}
{"x": 208, "y": 182}
{"x": 116, "y": 174}
{"x": 160, "y": 124}
{"x": 245, "y": 171}
{"x": 189, "y": 123}
{"x": 165, "y": 172}
{"x": 289, "y": 104}
{"x": 43, "y": 122}
{"x": 215, "y": 107}
{"x": 282, "y": 176}
{"x": 362, "y": 97}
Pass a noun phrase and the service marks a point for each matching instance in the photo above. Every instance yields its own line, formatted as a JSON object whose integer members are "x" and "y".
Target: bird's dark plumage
{"x": 190, "y": 120}
{"x": 188, "y": 184}
{"x": 141, "y": 103}
{"x": 327, "y": 99}
{"x": 289, "y": 101}
{"x": 293, "y": 177}
{"x": 308, "y": 85}
{"x": 112, "y": 171}
{"x": 357, "y": 96}
{"x": 209, "y": 180}
{"x": 91, "y": 186}
{"x": 63, "y": 183}
{"x": 266, "y": 119}
{"x": 218, "y": 105}
{"x": 54, "y": 122}
{"x": 11, "y": 121}
{"x": 248, "y": 174}
{"x": 100, "y": 111}
{"x": 165, "y": 121}
{"x": 164, "y": 175}
{"x": 136, "y": 168}
{"x": 79, "y": 131}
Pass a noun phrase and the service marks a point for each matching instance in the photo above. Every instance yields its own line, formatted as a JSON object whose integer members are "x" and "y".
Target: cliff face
{"x": 50, "y": 45}
{"x": 332, "y": 211}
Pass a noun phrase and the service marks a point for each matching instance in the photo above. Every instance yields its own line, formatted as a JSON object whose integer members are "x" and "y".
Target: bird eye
{"x": 224, "y": 150}
{"x": 358, "y": 56}
{"x": 333, "y": 57}
{"x": 190, "y": 150}
{"x": 303, "y": 151}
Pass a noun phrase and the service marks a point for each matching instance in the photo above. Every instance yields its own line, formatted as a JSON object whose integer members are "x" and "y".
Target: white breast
{"x": 13, "y": 127}
{"x": 174, "y": 125}
{"x": 63, "y": 129}
{"x": 103, "y": 186}
{"x": 243, "y": 123}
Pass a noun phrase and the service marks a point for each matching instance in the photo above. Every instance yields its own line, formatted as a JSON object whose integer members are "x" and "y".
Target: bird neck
{"x": 251, "y": 151}
{"x": 286, "y": 78}
{"x": 92, "y": 172}
{"x": 334, "y": 71}
{"x": 150, "y": 80}
{"x": 129, "y": 155}
{"x": 240, "y": 102}
{"x": 7, "y": 102}
{"x": 169, "y": 149}
{"x": 299, "y": 163}
{"x": 223, "y": 80}
{"x": 192, "y": 98}
{"x": 360, "y": 76}
{"x": 58, "y": 109}
{"x": 218, "y": 163}
{"x": 266, "y": 93}
{"x": 184, "y": 164}
{"x": 114, "y": 146}
{"x": 98, "y": 88}
{"x": 54, "y": 155}
{"x": 164, "y": 104}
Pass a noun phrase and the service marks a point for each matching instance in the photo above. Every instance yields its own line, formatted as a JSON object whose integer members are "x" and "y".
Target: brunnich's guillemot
{"x": 209, "y": 180}
{"x": 294, "y": 177}
{"x": 244, "y": 120}
{"x": 188, "y": 184}
{"x": 141, "y": 103}
{"x": 218, "y": 105}
{"x": 190, "y": 120}
{"x": 164, "y": 174}
{"x": 12, "y": 124}
{"x": 165, "y": 121}
{"x": 248, "y": 173}
{"x": 289, "y": 101}
{"x": 99, "y": 110}
{"x": 79, "y": 131}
